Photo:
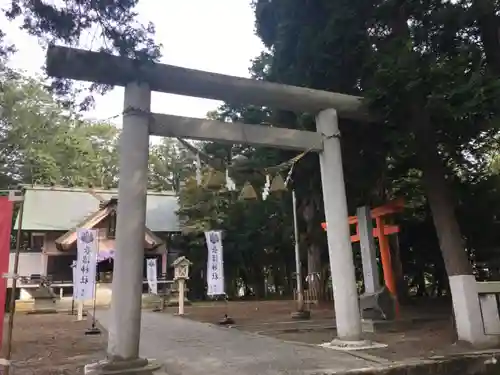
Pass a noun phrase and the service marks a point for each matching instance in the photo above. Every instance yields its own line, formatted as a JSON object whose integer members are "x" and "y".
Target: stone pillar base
{"x": 467, "y": 311}
{"x": 347, "y": 346}
{"x": 138, "y": 366}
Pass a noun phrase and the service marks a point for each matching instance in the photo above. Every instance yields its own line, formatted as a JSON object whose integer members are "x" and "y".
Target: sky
{"x": 216, "y": 36}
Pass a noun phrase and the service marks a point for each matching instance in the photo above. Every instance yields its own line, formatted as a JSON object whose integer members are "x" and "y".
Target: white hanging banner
{"x": 86, "y": 263}
{"x": 215, "y": 263}
{"x": 267, "y": 186}
{"x": 75, "y": 285}
{"x": 230, "y": 185}
{"x": 151, "y": 275}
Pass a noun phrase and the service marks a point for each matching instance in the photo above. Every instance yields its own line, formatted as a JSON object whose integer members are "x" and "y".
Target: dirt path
{"x": 53, "y": 344}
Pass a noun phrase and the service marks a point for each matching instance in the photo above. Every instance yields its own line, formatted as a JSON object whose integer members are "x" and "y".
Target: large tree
{"x": 422, "y": 67}
{"x": 112, "y": 26}
{"x": 113, "y": 23}
{"x": 43, "y": 143}
{"x": 170, "y": 165}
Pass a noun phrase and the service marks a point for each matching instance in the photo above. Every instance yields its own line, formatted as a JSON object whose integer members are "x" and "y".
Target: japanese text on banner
{"x": 151, "y": 275}
{"x": 215, "y": 263}
{"x": 87, "y": 243}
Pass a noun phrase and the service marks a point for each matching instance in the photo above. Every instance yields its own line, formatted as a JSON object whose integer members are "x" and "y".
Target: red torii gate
{"x": 378, "y": 214}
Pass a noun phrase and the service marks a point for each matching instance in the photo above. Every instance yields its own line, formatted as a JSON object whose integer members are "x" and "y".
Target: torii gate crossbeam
{"x": 103, "y": 68}
{"x": 139, "y": 80}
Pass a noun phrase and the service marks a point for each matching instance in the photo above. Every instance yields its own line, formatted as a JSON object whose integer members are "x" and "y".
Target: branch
{"x": 213, "y": 162}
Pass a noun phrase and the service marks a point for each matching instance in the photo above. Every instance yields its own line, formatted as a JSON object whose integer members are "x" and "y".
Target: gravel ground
{"x": 57, "y": 344}
{"x": 420, "y": 339}
{"x": 53, "y": 344}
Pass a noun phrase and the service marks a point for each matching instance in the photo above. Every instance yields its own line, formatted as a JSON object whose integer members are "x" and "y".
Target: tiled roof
{"x": 60, "y": 209}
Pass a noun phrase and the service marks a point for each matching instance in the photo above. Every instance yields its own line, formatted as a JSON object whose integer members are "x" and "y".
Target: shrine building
{"x": 51, "y": 216}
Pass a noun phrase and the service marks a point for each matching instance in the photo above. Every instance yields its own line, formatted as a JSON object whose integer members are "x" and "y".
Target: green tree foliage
{"x": 115, "y": 22}
{"x": 111, "y": 25}
{"x": 427, "y": 73}
{"x": 258, "y": 236}
{"x": 42, "y": 143}
{"x": 170, "y": 164}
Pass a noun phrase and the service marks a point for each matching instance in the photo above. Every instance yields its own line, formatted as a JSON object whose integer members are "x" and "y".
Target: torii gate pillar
{"x": 125, "y": 325}
{"x": 345, "y": 294}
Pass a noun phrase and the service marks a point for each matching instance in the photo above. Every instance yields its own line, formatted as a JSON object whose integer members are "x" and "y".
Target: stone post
{"x": 301, "y": 312}
{"x": 347, "y": 313}
{"x": 164, "y": 263}
{"x": 44, "y": 263}
{"x": 298, "y": 268}
{"x": 79, "y": 309}
{"x": 181, "y": 274}
{"x": 368, "y": 250}
{"x": 125, "y": 324}
{"x": 181, "y": 282}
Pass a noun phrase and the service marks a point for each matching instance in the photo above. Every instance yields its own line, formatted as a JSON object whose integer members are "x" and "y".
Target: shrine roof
{"x": 60, "y": 208}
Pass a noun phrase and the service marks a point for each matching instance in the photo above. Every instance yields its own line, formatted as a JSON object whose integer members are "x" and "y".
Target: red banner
{"x": 6, "y": 210}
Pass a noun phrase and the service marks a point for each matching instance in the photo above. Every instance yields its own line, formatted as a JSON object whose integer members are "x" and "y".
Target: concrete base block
{"x": 44, "y": 304}
{"x": 468, "y": 319}
{"x": 374, "y": 325}
{"x": 370, "y": 325}
{"x": 41, "y": 311}
{"x": 150, "y": 301}
{"x": 24, "y": 305}
{"x": 346, "y": 346}
{"x": 45, "y": 301}
{"x": 139, "y": 366}
{"x": 378, "y": 306}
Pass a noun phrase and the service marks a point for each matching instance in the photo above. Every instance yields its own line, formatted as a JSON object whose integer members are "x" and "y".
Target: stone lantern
{"x": 181, "y": 268}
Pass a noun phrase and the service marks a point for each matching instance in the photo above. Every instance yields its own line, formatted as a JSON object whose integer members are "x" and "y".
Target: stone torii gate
{"x": 139, "y": 79}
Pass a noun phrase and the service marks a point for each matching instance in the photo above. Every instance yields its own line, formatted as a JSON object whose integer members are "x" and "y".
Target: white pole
{"x": 347, "y": 313}
{"x": 79, "y": 316}
{"x": 298, "y": 270}
{"x": 181, "y": 296}
{"x": 125, "y": 322}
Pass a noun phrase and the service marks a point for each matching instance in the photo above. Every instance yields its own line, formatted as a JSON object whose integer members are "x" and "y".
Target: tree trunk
{"x": 288, "y": 279}
{"x": 441, "y": 203}
{"x": 468, "y": 318}
{"x": 314, "y": 270}
{"x": 277, "y": 280}
{"x": 258, "y": 282}
{"x": 469, "y": 323}
{"x": 489, "y": 28}
{"x": 421, "y": 288}
{"x": 401, "y": 284}
{"x": 314, "y": 251}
